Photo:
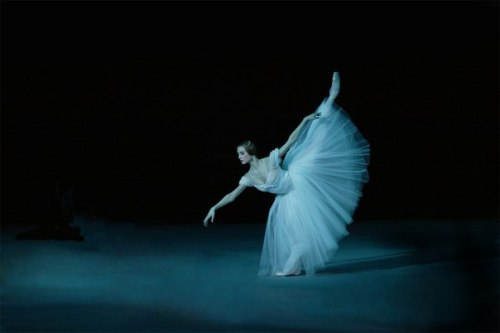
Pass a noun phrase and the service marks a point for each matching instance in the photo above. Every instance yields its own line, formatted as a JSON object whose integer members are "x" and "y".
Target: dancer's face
{"x": 243, "y": 155}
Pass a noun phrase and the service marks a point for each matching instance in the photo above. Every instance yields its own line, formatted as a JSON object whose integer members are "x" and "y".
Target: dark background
{"x": 138, "y": 106}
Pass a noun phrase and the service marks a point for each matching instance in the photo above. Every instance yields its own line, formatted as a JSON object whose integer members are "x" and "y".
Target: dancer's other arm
{"x": 291, "y": 139}
{"x": 228, "y": 198}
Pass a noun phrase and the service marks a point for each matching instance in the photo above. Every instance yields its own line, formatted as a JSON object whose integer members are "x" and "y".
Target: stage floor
{"x": 134, "y": 276}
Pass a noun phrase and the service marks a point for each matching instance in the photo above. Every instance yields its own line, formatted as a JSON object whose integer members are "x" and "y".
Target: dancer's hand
{"x": 210, "y": 216}
{"x": 313, "y": 116}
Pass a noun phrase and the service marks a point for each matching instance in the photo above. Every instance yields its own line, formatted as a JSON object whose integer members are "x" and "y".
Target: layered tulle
{"x": 325, "y": 171}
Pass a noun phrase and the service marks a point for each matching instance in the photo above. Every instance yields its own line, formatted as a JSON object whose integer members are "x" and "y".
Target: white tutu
{"x": 317, "y": 191}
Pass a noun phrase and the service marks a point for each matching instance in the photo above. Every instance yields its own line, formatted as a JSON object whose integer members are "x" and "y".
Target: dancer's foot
{"x": 288, "y": 273}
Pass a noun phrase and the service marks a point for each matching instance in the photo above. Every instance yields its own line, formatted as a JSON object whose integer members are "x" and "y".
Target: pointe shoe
{"x": 288, "y": 273}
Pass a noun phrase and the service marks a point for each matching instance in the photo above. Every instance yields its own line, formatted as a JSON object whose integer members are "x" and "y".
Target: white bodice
{"x": 269, "y": 176}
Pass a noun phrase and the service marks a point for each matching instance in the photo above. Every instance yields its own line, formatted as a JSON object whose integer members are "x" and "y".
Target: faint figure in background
{"x": 56, "y": 221}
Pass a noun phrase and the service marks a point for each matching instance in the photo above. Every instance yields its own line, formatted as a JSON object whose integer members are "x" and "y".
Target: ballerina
{"x": 317, "y": 177}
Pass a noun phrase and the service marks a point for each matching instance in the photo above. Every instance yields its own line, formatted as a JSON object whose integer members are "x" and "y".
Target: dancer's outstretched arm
{"x": 228, "y": 198}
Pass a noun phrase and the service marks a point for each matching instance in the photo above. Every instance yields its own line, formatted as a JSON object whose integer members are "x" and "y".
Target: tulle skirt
{"x": 328, "y": 166}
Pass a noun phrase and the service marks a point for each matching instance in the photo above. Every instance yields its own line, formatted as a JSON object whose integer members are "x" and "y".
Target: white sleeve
{"x": 274, "y": 158}
{"x": 245, "y": 181}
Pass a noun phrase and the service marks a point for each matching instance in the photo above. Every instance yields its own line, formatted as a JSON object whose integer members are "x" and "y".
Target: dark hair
{"x": 249, "y": 146}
